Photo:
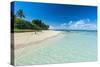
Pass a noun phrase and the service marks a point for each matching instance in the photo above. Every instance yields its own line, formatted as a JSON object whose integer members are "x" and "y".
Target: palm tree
{"x": 20, "y": 14}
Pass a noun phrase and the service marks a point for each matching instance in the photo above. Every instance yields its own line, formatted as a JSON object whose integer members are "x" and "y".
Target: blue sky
{"x": 60, "y": 16}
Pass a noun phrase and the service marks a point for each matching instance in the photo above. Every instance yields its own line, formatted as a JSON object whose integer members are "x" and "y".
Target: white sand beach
{"x": 23, "y": 39}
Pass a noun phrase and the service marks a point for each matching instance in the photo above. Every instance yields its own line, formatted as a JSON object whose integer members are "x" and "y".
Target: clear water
{"x": 74, "y": 46}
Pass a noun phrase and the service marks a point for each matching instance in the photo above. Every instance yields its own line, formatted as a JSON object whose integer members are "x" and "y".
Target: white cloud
{"x": 63, "y": 26}
{"x": 82, "y": 25}
{"x": 70, "y": 22}
{"x": 51, "y": 27}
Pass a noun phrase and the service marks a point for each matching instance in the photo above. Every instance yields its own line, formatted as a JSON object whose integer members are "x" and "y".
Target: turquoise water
{"x": 73, "y": 46}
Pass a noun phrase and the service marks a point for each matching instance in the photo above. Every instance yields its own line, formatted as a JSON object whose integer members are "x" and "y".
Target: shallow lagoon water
{"x": 72, "y": 46}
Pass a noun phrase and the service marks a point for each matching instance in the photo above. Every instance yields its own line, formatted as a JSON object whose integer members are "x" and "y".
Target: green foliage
{"x": 40, "y": 24}
{"x": 35, "y": 24}
{"x": 20, "y": 13}
{"x": 23, "y": 30}
{"x": 21, "y": 24}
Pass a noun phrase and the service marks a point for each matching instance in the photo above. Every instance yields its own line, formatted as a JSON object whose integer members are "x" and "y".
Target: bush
{"x": 35, "y": 24}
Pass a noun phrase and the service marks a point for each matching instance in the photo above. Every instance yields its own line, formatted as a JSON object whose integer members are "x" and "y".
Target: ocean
{"x": 67, "y": 47}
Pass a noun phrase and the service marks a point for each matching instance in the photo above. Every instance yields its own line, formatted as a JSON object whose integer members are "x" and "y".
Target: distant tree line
{"x": 19, "y": 23}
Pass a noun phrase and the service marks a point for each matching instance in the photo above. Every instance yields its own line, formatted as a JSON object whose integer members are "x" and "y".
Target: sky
{"x": 60, "y": 16}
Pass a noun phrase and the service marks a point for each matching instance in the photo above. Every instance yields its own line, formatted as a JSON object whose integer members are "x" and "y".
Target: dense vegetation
{"x": 20, "y": 24}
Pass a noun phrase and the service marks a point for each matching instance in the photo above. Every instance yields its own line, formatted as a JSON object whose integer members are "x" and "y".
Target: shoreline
{"x": 24, "y": 39}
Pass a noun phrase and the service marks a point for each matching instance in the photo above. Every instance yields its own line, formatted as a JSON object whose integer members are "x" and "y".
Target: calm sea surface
{"x": 69, "y": 46}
